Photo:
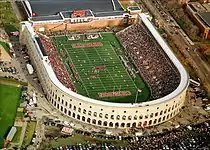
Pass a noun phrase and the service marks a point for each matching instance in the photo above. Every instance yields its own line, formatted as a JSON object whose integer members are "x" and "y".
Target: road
{"x": 182, "y": 41}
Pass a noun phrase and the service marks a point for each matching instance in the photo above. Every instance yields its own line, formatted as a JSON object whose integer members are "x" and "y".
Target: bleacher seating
{"x": 151, "y": 61}
{"x": 56, "y": 63}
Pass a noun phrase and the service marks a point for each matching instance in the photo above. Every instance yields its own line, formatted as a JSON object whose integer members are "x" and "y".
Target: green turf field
{"x": 5, "y": 46}
{"x": 9, "y": 100}
{"x": 88, "y": 76}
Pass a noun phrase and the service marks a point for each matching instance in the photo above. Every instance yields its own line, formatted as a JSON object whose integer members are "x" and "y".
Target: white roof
{"x": 30, "y": 68}
{"x": 11, "y": 133}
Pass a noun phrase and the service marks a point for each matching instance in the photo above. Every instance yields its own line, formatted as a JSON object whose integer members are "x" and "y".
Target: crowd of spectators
{"x": 150, "y": 60}
{"x": 188, "y": 137}
{"x": 56, "y": 63}
{"x": 183, "y": 138}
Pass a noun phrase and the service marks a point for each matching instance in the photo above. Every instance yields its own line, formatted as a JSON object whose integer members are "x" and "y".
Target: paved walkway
{"x": 23, "y": 133}
{"x": 9, "y": 83}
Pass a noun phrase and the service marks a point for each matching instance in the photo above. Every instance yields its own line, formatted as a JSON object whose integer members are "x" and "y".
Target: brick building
{"x": 200, "y": 14}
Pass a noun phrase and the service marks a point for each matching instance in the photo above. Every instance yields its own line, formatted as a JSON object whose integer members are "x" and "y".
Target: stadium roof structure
{"x": 52, "y": 7}
{"x": 47, "y": 18}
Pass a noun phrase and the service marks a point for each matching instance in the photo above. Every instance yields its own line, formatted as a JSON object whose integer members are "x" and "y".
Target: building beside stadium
{"x": 200, "y": 14}
{"x": 73, "y": 15}
{"x": 65, "y": 64}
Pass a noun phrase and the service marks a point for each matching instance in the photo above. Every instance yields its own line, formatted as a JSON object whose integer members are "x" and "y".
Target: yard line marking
{"x": 93, "y": 66}
{"x": 124, "y": 67}
{"x": 76, "y": 70}
{"x": 107, "y": 69}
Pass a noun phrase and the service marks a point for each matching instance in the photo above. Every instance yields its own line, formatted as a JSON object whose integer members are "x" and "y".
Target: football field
{"x": 9, "y": 100}
{"x": 97, "y": 70}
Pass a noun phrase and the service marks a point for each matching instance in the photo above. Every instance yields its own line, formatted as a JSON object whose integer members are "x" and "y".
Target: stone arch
{"x": 88, "y": 120}
{"x": 73, "y": 115}
{"x": 111, "y": 124}
{"x": 89, "y": 113}
{"x": 150, "y": 122}
{"x": 99, "y": 122}
{"x": 78, "y": 117}
{"x": 118, "y": 117}
{"x": 69, "y": 113}
{"x": 141, "y": 117}
{"x": 55, "y": 103}
{"x": 94, "y": 121}
{"x": 106, "y": 116}
{"x": 169, "y": 109}
{"x": 112, "y": 116}
{"x": 171, "y": 114}
{"x": 65, "y": 111}
{"x": 134, "y": 124}
{"x": 123, "y": 117}
{"x": 145, "y": 123}
{"x": 116, "y": 125}
{"x": 128, "y": 125}
{"x": 83, "y": 118}
{"x": 122, "y": 125}
{"x": 140, "y": 124}
{"x": 159, "y": 120}
{"x": 105, "y": 123}
{"x": 100, "y": 115}
{"x": 155, "y": 121}
{"x": 164, "y": 118}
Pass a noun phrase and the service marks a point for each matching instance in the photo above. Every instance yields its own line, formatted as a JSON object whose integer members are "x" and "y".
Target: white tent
{"x": 30, "y": 68}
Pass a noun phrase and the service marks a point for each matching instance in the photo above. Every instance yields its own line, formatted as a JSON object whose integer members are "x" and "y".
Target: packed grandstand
{"x": 151, "y": 61}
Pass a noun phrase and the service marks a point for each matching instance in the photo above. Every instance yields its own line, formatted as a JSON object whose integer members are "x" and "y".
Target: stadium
{"x": 123, "y": 79}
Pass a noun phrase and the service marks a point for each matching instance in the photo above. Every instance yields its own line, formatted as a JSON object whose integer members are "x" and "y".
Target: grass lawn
{"x": 84, "y": 66}
{"x": 29, "y": 133}
{"x": 9, "y": 100}
{"x": 81, "y": 139}
{"x": 5, "y": 46}
{"x": 8, "y": 18}
{"x": 20, "y": 115}
{"x": 17, "y": 135}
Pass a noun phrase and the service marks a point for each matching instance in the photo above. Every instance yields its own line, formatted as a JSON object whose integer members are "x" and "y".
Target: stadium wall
{"x": 78, "y": 26}
{"x": 99, "y": 113}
